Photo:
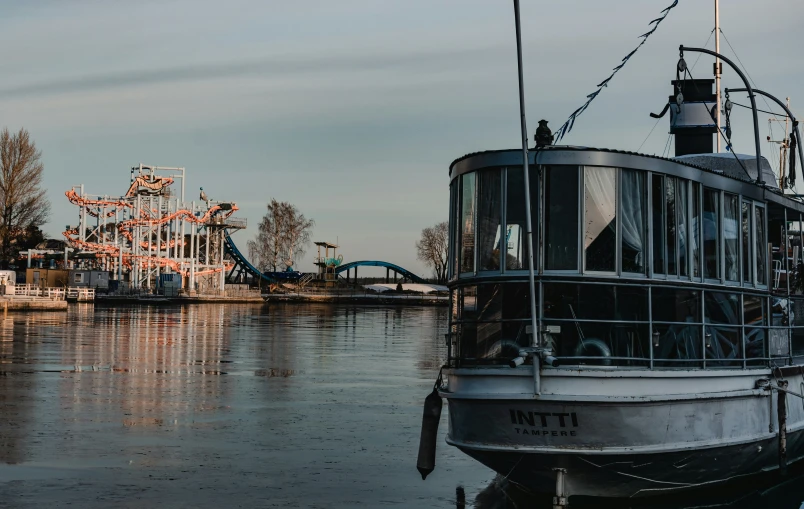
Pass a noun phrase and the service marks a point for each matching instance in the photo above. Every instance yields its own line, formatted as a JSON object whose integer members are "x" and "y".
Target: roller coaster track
{"x": 376, "y": 263}
{"x": 241, "y": 264}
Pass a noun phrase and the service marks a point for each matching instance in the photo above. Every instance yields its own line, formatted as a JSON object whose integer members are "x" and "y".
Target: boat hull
{"x": 619, "y": 445}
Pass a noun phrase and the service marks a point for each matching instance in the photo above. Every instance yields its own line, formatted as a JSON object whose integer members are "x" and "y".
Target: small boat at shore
{"x": 626, "y": 325}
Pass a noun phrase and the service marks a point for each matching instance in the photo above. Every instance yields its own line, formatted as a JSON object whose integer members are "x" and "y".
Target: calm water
{"x": 233, "y": 406}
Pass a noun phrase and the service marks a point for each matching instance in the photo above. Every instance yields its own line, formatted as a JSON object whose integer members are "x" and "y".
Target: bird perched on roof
{"x": 544, "y": 136}
{"x": 204, "y": 195}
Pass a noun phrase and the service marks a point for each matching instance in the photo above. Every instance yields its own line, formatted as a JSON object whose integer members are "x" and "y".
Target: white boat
{"x": 669, "y": 345}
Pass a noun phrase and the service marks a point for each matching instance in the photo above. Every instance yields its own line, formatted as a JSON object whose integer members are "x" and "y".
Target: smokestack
{"x": 692, "y": 112}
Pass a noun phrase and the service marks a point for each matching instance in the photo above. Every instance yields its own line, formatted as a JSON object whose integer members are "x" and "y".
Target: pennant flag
{"x": 567, "y": 126}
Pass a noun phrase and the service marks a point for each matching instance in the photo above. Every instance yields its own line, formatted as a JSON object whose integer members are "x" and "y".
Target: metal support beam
{"x": 751, "y": 94}
{"x": 786, "y": 110}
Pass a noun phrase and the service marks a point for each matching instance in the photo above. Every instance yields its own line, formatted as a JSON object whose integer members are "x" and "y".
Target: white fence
{"x": 80, "y": 294}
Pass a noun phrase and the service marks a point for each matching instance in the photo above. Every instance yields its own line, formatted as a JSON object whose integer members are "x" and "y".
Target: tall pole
{"x": 717, "y": 69}
{"x": 528, "y": 225}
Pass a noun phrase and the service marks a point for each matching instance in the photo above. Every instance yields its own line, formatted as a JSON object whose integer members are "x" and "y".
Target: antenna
{"x": 718, "y": 70}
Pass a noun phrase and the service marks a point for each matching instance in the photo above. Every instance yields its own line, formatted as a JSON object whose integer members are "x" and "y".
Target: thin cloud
{"x": 435, "y": 60}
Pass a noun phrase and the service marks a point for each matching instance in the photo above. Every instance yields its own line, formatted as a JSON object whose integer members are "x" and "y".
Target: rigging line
{"x": 744, "y": 67}
{"x": 648, "y": 136}
{"x": 666, "y": 145}
{"x": 701, "y": 54}
{"x": 761, "y": 111}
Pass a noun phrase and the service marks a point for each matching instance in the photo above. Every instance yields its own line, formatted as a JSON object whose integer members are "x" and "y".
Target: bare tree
{"x": 23, "y": 204}
{"x": 265, "y": 251}
{"x": 297, "y": 234}
{"x": 432, "y": 249}
{"x": 282, "y": 236}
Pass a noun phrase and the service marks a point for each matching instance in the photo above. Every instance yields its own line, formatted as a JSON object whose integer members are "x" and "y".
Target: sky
{"x": 353, "y": 110}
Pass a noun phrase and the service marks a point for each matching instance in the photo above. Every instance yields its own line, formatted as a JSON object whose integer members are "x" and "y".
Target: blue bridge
{"x": 242, "y": 268}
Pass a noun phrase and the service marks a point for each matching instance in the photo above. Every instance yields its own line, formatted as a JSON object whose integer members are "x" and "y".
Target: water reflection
{"x": 244, "y": 405}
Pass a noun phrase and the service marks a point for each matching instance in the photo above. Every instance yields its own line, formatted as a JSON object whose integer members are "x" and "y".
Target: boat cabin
{"x": 640, "y": 261}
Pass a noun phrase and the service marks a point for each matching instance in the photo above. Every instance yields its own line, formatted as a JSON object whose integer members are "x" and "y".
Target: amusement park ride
{"x": 150, "y": 232}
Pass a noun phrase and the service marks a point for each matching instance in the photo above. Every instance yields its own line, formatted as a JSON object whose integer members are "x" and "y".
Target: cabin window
{"x": 670, "y": 195}
{"x": 746, "y": 244}
{"x": 755, "y": 319}
{"x": 761, "y": 245}
{"x": 711, "y": 233}
{"x": 561, "y": 218}
{"x": 515, "y": 220}
{"x": 634, "y": 223}
{"x": 722, "y": 316}
{"x": 454, "y": 222}
{"x": 600, "y": 218}
{"x": 797, "y": 322}
{"x": 489, "y": 219}
{"x": 468, "y": 213}
{"x": 731, "y": 229}
{"x": 601, "y": 323}
{"x": 682, "y": 227}
{"x": 467, "y": 308}
{"x": 695, "y": 236}
{"x": 658, "y": 218}
{"x": 492, "y": 322}
{"x": 489, "y": 325}
{"x": 677, "y": 335}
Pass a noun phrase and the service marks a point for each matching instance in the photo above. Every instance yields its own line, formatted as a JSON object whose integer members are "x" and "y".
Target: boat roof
{"x": 714, "y": 170}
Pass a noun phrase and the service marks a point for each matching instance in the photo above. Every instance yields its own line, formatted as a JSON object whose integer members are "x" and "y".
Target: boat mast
{"x": 718, "y": 70}
{"x": 528, "y": 226}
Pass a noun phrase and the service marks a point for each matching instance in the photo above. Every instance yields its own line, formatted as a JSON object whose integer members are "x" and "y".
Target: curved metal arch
{"x": 377, "y": 263}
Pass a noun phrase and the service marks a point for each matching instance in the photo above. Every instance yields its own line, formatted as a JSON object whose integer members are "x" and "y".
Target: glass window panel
{"x": 711, "y": 233}
{"x": 753, "y": 310}
{"x": 695, "y": 237}
{"x": 682, "y": 227}
{"x": 797, "y": 322}
{"x": 677, "y": 345}
{"x": 634, "y": 222}
{"x": 670, "y": 196}
{"x": 761, "y": 245}
{"x": 468, "y": 330}
{"x": 454, "y": 222}
{"x": 659, "y": 234}
{"x": 489, "y": 302}
{"x": 595, "y": 302}
{"x": 676, "y": 305}
{"x": 720, "y": 307}
{"x": 516, "y": 301}
{"x": 468, "y": 212}
{"x": 489, "y": 219}
{"x": 731, "y": 231}
{"x": 723, "y": 345}
{"x": 599, "y": 341}
{"x": 515, "y": 220}
{"x": 570, "y": 301}
{"x": 746, "y": 244}
{"x": 755, "y": 343}
{"x": 600, "y": 218}
{"x": 561, "y": 218}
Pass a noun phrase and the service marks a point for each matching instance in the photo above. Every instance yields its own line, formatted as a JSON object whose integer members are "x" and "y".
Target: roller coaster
{"x": 150, "y": 231}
